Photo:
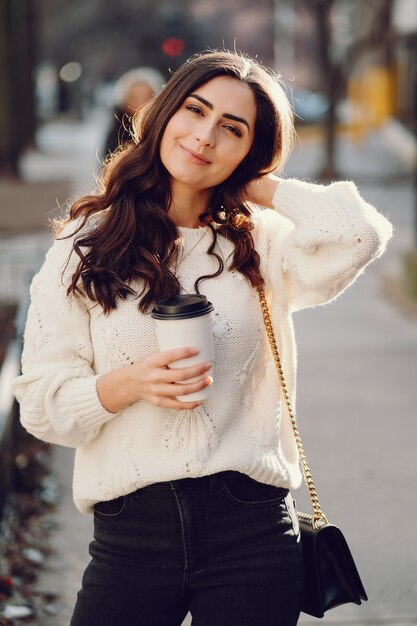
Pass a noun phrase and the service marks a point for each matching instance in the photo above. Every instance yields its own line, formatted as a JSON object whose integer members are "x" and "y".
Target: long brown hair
{"x": 134, "y": 238}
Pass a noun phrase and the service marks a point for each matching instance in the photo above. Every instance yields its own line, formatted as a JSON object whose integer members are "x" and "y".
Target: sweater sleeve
{"x": 57, "y": 389}
{"x": 329, "y": 234}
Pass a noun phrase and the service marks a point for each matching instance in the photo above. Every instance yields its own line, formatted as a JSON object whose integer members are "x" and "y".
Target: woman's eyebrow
{"x": 210, "y": 106}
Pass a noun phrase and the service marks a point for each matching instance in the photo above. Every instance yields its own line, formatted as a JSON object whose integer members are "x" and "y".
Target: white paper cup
{"x": 181, "y": 321}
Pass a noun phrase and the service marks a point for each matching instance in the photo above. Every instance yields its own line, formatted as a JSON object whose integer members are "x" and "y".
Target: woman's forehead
{"x": 229, "y": 95}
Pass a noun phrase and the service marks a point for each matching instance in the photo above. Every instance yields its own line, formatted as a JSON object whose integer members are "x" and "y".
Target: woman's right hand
{"x": 150, "y": 378}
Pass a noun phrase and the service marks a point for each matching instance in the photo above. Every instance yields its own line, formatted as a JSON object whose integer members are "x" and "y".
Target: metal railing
{"x": 17, "y": 267}
{"x": 8, "y": 407}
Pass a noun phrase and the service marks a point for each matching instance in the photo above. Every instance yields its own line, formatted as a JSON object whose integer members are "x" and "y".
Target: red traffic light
{"x": 173, "y": 46}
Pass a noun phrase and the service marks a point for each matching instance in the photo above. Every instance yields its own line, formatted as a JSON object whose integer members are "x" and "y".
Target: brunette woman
{"x": 191, "y": 500}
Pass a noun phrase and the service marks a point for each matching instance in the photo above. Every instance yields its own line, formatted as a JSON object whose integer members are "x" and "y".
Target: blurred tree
{"x": 17, "y": 121}
{"x": 338, "y": 55}
{"x": 332, "y": 40}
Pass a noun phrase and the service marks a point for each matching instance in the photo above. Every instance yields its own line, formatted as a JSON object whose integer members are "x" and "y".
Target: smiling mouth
{"x": 193, "y": 157}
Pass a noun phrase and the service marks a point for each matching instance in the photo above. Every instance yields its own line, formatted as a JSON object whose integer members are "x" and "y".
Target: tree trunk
{"x": 16, "y": 78}
{"x": 331, "y": 77}
{"x": 329, "y": 169}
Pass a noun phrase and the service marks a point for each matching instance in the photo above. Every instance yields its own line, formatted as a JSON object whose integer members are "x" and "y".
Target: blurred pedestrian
{"x": 133, "y": 89}
{"x": 191, "y": 499}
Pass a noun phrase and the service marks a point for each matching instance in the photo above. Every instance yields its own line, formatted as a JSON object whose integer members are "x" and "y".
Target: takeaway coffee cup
{"x": 185, "y": 320}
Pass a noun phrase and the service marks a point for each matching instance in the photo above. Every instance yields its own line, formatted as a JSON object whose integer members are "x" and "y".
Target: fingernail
{"x": 209, "y": 378}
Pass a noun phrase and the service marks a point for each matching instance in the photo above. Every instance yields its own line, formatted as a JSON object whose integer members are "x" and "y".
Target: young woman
{"x": 133, "y": 89}
{"x": 191, "y": 500}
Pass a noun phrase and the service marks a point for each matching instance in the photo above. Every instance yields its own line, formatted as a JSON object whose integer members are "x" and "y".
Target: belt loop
{"x": 217, "y": 480}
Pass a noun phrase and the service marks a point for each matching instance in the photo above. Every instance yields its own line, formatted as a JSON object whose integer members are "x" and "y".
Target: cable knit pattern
{"x": 315, "y": 243}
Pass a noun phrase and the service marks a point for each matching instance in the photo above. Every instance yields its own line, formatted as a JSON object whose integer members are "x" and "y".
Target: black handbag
{"x": 330, "y": 574}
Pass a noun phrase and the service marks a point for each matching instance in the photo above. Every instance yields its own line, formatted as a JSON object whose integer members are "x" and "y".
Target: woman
{"x": 133, "y": 89}
{"x": 191, "y": 500}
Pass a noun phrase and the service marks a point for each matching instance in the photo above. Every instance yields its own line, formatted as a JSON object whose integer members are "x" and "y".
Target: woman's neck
{"x": 187, "y": 205}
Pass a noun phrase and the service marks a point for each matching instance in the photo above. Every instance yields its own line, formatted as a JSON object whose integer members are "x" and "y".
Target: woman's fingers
{"x": 161, "y": 359}
{"x": 173, "y": 389}
{"x": 184, "y": 373}
{"x": 261, "y": 190}
{"x": 160, "y": 384}
{"x": 165, "y": 394}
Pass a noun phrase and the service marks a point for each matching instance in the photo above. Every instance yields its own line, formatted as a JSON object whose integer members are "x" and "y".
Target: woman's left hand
{"x": 261, "y": 190}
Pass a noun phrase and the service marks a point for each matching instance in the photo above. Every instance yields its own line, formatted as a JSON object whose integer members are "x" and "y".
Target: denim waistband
{"x": 211, "y": 480}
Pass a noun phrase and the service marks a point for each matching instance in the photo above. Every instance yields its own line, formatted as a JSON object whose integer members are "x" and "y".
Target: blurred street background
{"x": 351, "y": 72}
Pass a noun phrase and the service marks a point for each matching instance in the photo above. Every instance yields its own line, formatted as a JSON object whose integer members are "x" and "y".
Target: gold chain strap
{"x": 318, "y": 514}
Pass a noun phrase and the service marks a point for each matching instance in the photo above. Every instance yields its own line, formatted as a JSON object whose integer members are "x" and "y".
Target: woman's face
{"x": 137, "y": 96}
{"x": 210, "y": 134}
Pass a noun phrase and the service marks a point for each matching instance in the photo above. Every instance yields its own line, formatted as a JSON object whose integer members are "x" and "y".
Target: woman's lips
{"x": 195, "y": 158}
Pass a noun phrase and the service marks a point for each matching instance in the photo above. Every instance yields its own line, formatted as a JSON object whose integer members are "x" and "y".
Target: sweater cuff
{"x": 80, "y": 398}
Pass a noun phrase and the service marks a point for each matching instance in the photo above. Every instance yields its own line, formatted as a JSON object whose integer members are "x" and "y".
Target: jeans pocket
{"x": 110, "y": 509}
{"x": 246, "y": 491}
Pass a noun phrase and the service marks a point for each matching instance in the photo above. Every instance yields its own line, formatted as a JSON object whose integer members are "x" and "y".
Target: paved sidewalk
{"x": 356, "y": 408}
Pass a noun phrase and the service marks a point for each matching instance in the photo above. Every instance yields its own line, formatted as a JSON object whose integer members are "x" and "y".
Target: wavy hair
{"x": 134, "y": 239}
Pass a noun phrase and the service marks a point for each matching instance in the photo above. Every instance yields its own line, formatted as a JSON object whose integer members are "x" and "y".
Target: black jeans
{"x": 224, "y": 547}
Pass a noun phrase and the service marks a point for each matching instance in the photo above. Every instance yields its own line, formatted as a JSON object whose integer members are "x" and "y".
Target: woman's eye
{"x": 192, "y": 108}
{"x": 234, "y": 130}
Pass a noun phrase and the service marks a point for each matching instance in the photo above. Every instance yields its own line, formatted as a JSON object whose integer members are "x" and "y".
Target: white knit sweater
{"x": 315, "y": 243}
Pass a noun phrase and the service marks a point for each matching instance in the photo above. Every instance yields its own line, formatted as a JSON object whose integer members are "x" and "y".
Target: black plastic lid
{"x": 180, "y": 307}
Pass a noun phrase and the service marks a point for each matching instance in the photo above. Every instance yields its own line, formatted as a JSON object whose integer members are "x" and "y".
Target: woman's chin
{"x": 194, "y": 182}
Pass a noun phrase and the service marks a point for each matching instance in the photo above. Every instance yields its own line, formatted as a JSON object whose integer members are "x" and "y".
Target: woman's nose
{"x": 205, "y": 134}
